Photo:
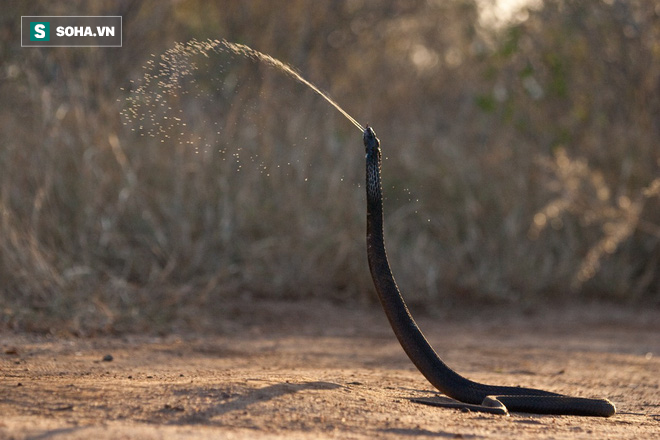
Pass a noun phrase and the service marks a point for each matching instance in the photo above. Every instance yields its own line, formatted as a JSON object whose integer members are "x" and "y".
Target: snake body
{"x": 472, "y": 395}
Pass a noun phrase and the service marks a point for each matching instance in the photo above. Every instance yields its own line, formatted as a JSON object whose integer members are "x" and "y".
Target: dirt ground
{"x": 316, "y": 370}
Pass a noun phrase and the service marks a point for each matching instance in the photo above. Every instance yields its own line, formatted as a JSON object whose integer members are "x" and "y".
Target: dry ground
{"x": 314, "y": 370}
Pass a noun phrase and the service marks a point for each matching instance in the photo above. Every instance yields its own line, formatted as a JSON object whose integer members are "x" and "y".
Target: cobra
{"x": 469, "y": 394}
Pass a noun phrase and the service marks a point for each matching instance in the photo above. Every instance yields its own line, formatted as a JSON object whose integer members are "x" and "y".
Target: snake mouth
{"x": 370, "y": 140}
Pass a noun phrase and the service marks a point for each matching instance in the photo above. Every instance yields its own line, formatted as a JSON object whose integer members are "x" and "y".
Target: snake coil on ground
{"x": 471, "y": 395}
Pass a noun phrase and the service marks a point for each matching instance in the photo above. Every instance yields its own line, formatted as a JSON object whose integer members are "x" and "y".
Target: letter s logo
{"x": 40, "y": 31}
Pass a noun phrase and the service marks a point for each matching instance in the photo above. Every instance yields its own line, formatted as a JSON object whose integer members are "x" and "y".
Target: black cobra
{"x": 470, "y": 394}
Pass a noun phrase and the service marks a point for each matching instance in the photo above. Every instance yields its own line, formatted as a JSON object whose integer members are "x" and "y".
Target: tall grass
{"x": 521, "y": 163}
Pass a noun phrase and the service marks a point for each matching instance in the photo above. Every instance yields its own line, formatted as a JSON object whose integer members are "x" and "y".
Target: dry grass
{"x": 522, "y": 164}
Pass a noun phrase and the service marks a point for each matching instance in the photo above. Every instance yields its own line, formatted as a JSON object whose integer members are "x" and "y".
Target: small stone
{"x": 107, "y": 358}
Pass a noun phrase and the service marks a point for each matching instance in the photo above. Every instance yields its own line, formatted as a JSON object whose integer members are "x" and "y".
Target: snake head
{"x": 371, "y": 142}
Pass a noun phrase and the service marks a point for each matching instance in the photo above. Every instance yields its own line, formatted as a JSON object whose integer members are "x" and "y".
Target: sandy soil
{"x": 314, "y": 370}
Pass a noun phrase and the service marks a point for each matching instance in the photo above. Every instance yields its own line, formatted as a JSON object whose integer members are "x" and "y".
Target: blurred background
{"x": 521, "y": 144}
